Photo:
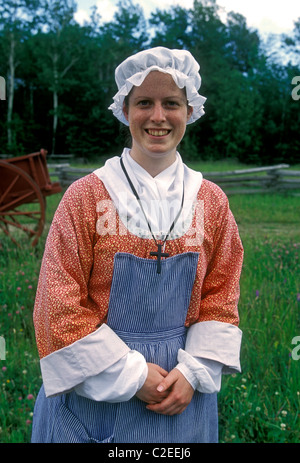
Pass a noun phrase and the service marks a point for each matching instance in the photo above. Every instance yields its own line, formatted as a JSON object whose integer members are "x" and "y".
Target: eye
{"x": 143, "y": 103}
{"x": 172, "y": 104}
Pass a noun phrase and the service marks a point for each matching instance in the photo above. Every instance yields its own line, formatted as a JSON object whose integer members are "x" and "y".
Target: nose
{"x": 158, "y": 113}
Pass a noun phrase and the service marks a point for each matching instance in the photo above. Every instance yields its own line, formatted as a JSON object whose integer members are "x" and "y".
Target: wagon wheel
{"x": 22, "y": 205}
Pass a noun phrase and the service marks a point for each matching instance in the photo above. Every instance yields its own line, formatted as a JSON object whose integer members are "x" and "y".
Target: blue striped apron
{"x": 147, "y": 311}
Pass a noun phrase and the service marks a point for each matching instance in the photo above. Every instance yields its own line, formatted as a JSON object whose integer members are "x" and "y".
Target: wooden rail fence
{"x": 269, "y": 179}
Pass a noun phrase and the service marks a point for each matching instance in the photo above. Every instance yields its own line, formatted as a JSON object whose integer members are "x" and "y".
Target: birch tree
{"x": 16, "y": 19}
{"x": 57, "y": 49}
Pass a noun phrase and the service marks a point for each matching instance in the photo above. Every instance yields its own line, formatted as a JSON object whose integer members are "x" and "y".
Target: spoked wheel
{"x": 22, "y": 205}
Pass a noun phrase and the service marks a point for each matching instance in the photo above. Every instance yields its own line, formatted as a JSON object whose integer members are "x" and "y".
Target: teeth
{"x": 158, "y": 133}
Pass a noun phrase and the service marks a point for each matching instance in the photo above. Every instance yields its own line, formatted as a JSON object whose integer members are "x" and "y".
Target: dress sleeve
{"x": 63, "y": 311}
{"x": 221, "y": 285}
{"x": 74, "y": 350}
{"x": 214, "y": 341}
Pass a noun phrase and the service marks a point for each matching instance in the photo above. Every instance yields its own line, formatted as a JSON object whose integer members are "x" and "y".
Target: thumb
{"x": 167, "y": 381}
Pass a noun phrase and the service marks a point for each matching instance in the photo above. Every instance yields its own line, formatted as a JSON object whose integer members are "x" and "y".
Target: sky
{"x": 267, "y": 16}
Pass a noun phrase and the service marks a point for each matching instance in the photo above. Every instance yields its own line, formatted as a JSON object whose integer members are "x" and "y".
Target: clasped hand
{"x": 165, "y": 393}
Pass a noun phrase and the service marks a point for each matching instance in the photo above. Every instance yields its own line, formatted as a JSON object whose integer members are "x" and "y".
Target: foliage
{"x": 61, "y": 80}
{"x": 262, "y": 404}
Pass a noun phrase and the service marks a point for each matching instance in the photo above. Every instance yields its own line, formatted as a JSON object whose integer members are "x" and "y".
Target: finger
{"x": 167, "y": 407}
{"x": 159, "y": 369}
{"x": 162, "y": 371}
{"x": 168, "y": 381}
{"x": 179, "y": 397}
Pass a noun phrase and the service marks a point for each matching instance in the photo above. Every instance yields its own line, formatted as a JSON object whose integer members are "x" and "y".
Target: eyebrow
{"x": 164, "y": 98}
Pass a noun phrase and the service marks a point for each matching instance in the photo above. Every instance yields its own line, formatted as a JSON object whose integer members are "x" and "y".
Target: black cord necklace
{"x": 159, "y": 253}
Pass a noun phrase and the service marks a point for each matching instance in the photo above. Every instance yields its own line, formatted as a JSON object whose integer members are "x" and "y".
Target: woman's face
{"x": 157, "y": 113}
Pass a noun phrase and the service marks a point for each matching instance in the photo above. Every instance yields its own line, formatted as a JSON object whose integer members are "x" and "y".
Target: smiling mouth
{"x": 158, "y": 132}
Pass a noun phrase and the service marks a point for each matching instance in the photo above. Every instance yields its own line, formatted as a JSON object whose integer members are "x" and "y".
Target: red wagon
{"x": 24, "y": 185}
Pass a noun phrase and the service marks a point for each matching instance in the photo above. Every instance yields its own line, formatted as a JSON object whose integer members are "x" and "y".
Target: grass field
{"x": 262, "y": 404}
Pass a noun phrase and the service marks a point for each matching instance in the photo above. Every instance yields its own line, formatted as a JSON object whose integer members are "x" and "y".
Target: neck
{"x": 154, "y": 165}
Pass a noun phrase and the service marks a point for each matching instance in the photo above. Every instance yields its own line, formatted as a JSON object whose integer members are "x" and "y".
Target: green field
{"x": 262, "y": 404}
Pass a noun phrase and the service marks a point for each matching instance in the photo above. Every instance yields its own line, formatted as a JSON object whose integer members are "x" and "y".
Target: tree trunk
{"x": 55, "y": 120}
{"x": 55, "y": 102}
{"x": 11, "y": 88}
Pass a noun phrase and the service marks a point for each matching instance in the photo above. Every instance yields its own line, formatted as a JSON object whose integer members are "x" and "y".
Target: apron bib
{"x": 147, "y": 311}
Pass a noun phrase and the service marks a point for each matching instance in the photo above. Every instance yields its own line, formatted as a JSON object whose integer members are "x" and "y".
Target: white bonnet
{"x": 180, "y": 64}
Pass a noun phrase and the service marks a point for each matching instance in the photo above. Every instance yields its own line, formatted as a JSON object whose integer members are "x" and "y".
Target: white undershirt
{"x": 161, "y": 196}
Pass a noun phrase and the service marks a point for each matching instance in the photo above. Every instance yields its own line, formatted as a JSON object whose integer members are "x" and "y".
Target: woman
{"x": 136, "y": 309}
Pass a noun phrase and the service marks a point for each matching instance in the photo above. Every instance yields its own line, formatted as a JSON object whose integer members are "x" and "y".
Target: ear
{"x": 125, "y": 110}
{"x": 190, "y": 110}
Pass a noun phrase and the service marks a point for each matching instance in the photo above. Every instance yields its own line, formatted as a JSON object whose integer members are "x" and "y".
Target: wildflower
{"x": 283, "y": 426}
{"x": 19, "y": 288}
{"x": 28, "y": 422}
{"x": 4, "y": 368}
{"x": 30, "y": 397}
{"x": 258, "y": 409}
{"x": 29, "y": 286}
{"x": 257, "y": 293}
{"x": 284, "y": 412}
{"x": 298, "y": 297}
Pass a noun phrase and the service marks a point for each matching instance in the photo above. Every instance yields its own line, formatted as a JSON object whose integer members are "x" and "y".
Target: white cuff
{"x": 212, "y": 348}
{"x": 65, "y": 368}
{"x": 203, "y": 375}
{"x": 187, "y": 373}
{"x": 217, "y": 341}
{"x": 117, "y": 383}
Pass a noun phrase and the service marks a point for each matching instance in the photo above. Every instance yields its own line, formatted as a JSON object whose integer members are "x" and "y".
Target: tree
{"x": 16, "y": 20}
{"x": 291, "y": 44}
{"x": 56, "y": 48}
{"x": 242, "y": 45}
{"x": 90, "y": 127}
{"x": 60, "y": 79}
{"x": 171, "y": 28}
